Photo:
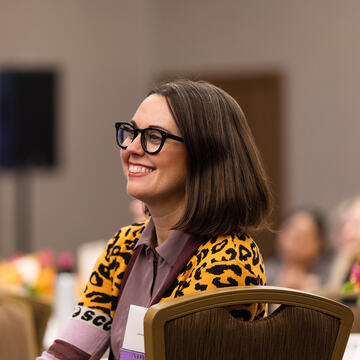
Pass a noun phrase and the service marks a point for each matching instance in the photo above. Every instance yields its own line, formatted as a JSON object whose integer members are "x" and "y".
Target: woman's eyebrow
{"x": 158, "y": 127}
{"x": 133, "y": 122}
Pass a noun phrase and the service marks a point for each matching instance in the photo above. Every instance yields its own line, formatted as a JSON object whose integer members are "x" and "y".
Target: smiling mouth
{"x": 135, "y": 169}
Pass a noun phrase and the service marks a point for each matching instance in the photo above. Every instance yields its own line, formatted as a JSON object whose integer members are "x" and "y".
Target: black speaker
{"x": 27, "y": 118}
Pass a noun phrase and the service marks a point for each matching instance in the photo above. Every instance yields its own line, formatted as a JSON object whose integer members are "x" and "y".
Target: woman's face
{"x": 157, "y": 179}
{"x": 299, "y": 240}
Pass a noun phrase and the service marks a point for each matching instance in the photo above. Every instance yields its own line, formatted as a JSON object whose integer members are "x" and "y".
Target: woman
{"x": 189, "y": 156}
{"x": 301, "y": 259}
{"x": 345, "y": 238}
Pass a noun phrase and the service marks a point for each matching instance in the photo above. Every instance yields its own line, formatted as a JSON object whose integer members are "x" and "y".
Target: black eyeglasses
{"x": 152, "y": 139}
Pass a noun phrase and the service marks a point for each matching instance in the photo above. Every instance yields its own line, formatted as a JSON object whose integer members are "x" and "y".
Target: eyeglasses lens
{"x": 126, "y": 135}
{"x": 152, "y": 138}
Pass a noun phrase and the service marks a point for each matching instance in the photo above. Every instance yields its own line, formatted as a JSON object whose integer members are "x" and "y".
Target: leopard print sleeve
{"x": 98, "y": 291}
{"x": 87, "y": 332}
{"x": 102, "y": 290}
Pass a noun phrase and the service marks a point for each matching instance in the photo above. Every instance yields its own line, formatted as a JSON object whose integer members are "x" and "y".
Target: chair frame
{"x": 157, "y": 315}
{"x": 28, "y": 325}
{"x": 41, "y": 311}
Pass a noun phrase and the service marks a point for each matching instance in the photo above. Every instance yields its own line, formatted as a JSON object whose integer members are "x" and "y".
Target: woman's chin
{"x": 136, "y": 193}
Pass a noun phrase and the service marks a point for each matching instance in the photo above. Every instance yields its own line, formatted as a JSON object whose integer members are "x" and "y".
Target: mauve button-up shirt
{"x": 144, "y": 282}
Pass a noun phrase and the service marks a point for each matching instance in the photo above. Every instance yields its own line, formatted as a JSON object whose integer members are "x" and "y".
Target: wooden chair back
{"x": 198, "y": 326}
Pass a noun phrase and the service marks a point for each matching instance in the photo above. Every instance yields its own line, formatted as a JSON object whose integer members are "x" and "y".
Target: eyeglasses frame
{"x": 164, "y": 136}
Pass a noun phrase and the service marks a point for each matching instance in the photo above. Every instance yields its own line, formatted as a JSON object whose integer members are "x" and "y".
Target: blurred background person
{"x": 345, "y": 238}
{"x": 300, "y": 244}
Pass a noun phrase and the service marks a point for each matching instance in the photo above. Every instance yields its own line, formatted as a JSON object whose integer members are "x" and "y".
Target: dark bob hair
{"x": 227, "y": 189}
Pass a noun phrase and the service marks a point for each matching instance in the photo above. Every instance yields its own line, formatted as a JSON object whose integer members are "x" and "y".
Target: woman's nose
{"x": 135, "y": 147}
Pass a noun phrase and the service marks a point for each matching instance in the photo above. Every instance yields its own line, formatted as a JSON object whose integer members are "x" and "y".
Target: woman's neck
{"x": 164, "y": 220}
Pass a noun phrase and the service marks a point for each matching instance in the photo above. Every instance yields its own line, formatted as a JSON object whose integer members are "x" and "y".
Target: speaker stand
{"x": 22, "y": 211}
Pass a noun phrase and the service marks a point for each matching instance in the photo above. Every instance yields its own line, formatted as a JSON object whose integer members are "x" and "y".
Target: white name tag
{"x": 133, "y": 345}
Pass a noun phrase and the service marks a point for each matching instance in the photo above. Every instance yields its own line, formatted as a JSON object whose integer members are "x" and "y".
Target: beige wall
{"x": 99, "y": 49}
{"x": 314, "y": 45}
{"x": 109, "y": 52}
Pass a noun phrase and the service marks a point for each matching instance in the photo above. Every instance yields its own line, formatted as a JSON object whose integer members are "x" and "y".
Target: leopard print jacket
{"x": 219, "y": 262}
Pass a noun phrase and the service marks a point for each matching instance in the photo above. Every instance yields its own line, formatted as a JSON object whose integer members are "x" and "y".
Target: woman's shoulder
{"x": 220, "y": 261}
{"x": 132, "y": 231}
{"x": 129, "y": 233}
{"x": 125, "y": 239}
{"x": 236, "y": 249}
{"x": 238, "y": 242}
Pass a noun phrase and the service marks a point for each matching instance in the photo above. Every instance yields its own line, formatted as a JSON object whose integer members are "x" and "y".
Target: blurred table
{"x": 352, "y": 351}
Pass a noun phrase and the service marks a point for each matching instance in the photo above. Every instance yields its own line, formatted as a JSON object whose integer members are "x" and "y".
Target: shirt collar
{"x": 170, "y": 249}
{"x": 147, "y": 236}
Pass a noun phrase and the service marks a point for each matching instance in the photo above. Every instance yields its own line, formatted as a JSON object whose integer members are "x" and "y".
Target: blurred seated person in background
{"x": 189, "y": 156}
{"x": 299, "y": 245}
{"x": 345, "y": 239}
